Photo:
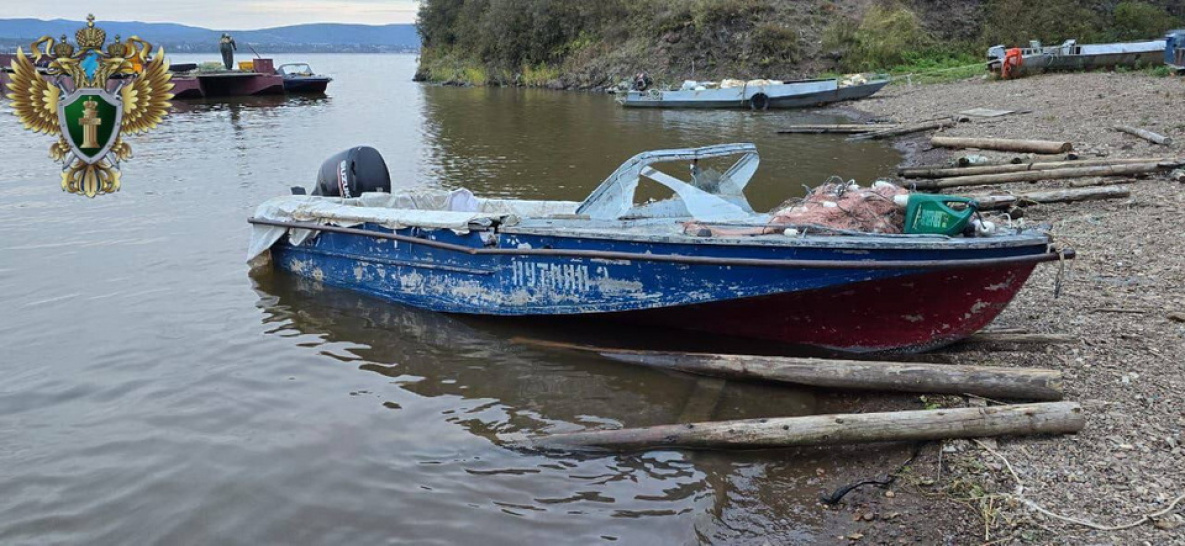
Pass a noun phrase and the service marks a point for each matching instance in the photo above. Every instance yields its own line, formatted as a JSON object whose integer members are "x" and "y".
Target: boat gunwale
{"x": 849, "y": 242}
{"x": 1050, "y": 254}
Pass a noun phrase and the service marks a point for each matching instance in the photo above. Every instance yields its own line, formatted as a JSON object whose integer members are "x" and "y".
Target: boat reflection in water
{"x": 257, "y": 103}
{"x": 542, "y": 388}
{"x": 478, "y": 376}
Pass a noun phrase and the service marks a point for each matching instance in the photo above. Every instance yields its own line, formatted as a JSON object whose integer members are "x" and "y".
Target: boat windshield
{"x": 296, "y": 69}
{"x": 709, "y": 196}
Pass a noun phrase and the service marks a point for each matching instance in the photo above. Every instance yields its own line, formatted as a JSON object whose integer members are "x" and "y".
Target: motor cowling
{"x": 352, "y": 172}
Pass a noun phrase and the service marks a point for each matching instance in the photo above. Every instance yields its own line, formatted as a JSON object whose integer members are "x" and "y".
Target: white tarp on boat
{"x": 457, "y": 210}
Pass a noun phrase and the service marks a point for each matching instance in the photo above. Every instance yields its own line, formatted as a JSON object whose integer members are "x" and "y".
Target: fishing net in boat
{"x": 846, "y": 206}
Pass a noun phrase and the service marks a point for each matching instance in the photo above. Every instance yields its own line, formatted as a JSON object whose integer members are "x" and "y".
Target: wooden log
{"x": 995, "y": 202}
{"x": 1003, "y": 145}
{"x": 1154, "y": 138}
{"x": 1120, "y": 310}
{"x": 966, "y": 161}
{"x": 1091, "y": 182}
{"x": 836, "y": 429}
{"x": 945, "y": 172}
{"x": 898, "y": 131}
{"x": 841, "y": 128}
{"x": 992, "y": 382}
{"x": 1004, "y": 330}
{"x": 1034, "y": 176}
{"x": 1052, "y": 339}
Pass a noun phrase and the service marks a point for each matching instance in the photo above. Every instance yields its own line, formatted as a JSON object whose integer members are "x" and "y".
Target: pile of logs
{"x": 944, "y": 177}
{"x": 1047, "y": 416}
{"x": 865, "y": 131}
{"x": 1036, "y": 172}
{"x": 941, "y": 177}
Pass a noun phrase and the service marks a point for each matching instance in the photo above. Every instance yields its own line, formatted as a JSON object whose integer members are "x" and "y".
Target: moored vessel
{"x": 612, "y": 258}
{"x": 757, "y": 94}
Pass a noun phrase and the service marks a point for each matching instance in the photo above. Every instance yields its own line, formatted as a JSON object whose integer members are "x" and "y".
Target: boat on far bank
{"x": 757, "y": 94}
{"x": 1174, "y": 50}
{"x": 210, "y": 80}
{"x": 1070, "y": 55}
{"x": 300, "y": 78}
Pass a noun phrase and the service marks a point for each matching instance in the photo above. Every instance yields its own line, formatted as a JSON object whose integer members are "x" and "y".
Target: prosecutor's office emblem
{"x": 89, "y": 98}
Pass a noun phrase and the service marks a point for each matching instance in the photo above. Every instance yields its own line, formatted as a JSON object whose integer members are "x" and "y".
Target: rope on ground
{"x": 835, "y": 496}
{"x": 1018, "y": 494}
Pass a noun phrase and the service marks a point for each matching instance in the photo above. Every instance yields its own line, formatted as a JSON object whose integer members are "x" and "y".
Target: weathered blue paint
{"x": 500, "y": 284}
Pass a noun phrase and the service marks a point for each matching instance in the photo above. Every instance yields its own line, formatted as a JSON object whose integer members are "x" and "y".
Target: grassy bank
{"x": 577, "y": 44}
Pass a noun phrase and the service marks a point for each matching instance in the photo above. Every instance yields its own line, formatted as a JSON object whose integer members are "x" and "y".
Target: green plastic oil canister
{"x": 938, "y": 214}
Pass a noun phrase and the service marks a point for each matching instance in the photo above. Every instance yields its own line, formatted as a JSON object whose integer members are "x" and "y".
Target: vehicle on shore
{"x": 757, "y": 94}
{"x": 609, "y": 257}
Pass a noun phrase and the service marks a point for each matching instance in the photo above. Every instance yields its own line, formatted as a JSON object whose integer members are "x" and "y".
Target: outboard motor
{"x": 352, "y": 172}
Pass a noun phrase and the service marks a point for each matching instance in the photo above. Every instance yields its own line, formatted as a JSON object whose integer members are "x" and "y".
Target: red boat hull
{"x": 911, "y": 313}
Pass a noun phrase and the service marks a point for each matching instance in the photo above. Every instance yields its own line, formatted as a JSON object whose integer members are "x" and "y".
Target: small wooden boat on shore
{"x": 757, "y": 94}
{"x": 610, "y": 258}
{"x": 1071, "y": 56}
{"x": 300, "y": 78}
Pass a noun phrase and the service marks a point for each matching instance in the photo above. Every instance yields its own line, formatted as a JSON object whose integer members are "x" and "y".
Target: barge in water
{"x": 196, "y": 83}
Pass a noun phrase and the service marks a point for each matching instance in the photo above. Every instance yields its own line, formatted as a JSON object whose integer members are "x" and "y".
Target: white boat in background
{"x": 757, "y": 94}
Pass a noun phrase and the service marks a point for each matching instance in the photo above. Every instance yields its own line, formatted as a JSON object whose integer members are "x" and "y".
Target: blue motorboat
{"x": 613, "y": 258}
{"x": 300, "y": 78}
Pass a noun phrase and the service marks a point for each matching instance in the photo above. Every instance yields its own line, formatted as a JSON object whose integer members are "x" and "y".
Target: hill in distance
{"x": 315, "y": 37}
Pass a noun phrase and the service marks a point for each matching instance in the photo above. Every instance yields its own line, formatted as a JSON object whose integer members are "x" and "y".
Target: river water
{"x": 154, "y": 392}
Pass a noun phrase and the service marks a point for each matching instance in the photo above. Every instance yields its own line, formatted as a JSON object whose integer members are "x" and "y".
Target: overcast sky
{"x": 222, "y": 14}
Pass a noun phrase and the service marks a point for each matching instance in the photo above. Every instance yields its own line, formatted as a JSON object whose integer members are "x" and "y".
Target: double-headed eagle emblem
{"x": 89, "y": 98}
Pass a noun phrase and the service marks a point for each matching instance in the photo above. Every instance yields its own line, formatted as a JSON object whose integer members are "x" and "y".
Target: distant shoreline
{"x": 180, "y": 38}
{"x": 9, "y": 45}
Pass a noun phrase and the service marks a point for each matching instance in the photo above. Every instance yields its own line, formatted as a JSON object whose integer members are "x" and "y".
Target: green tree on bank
{"x": 591, "y": 43}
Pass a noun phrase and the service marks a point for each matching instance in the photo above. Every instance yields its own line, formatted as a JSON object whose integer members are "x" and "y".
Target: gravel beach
{"x": 1122, "y": 299}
